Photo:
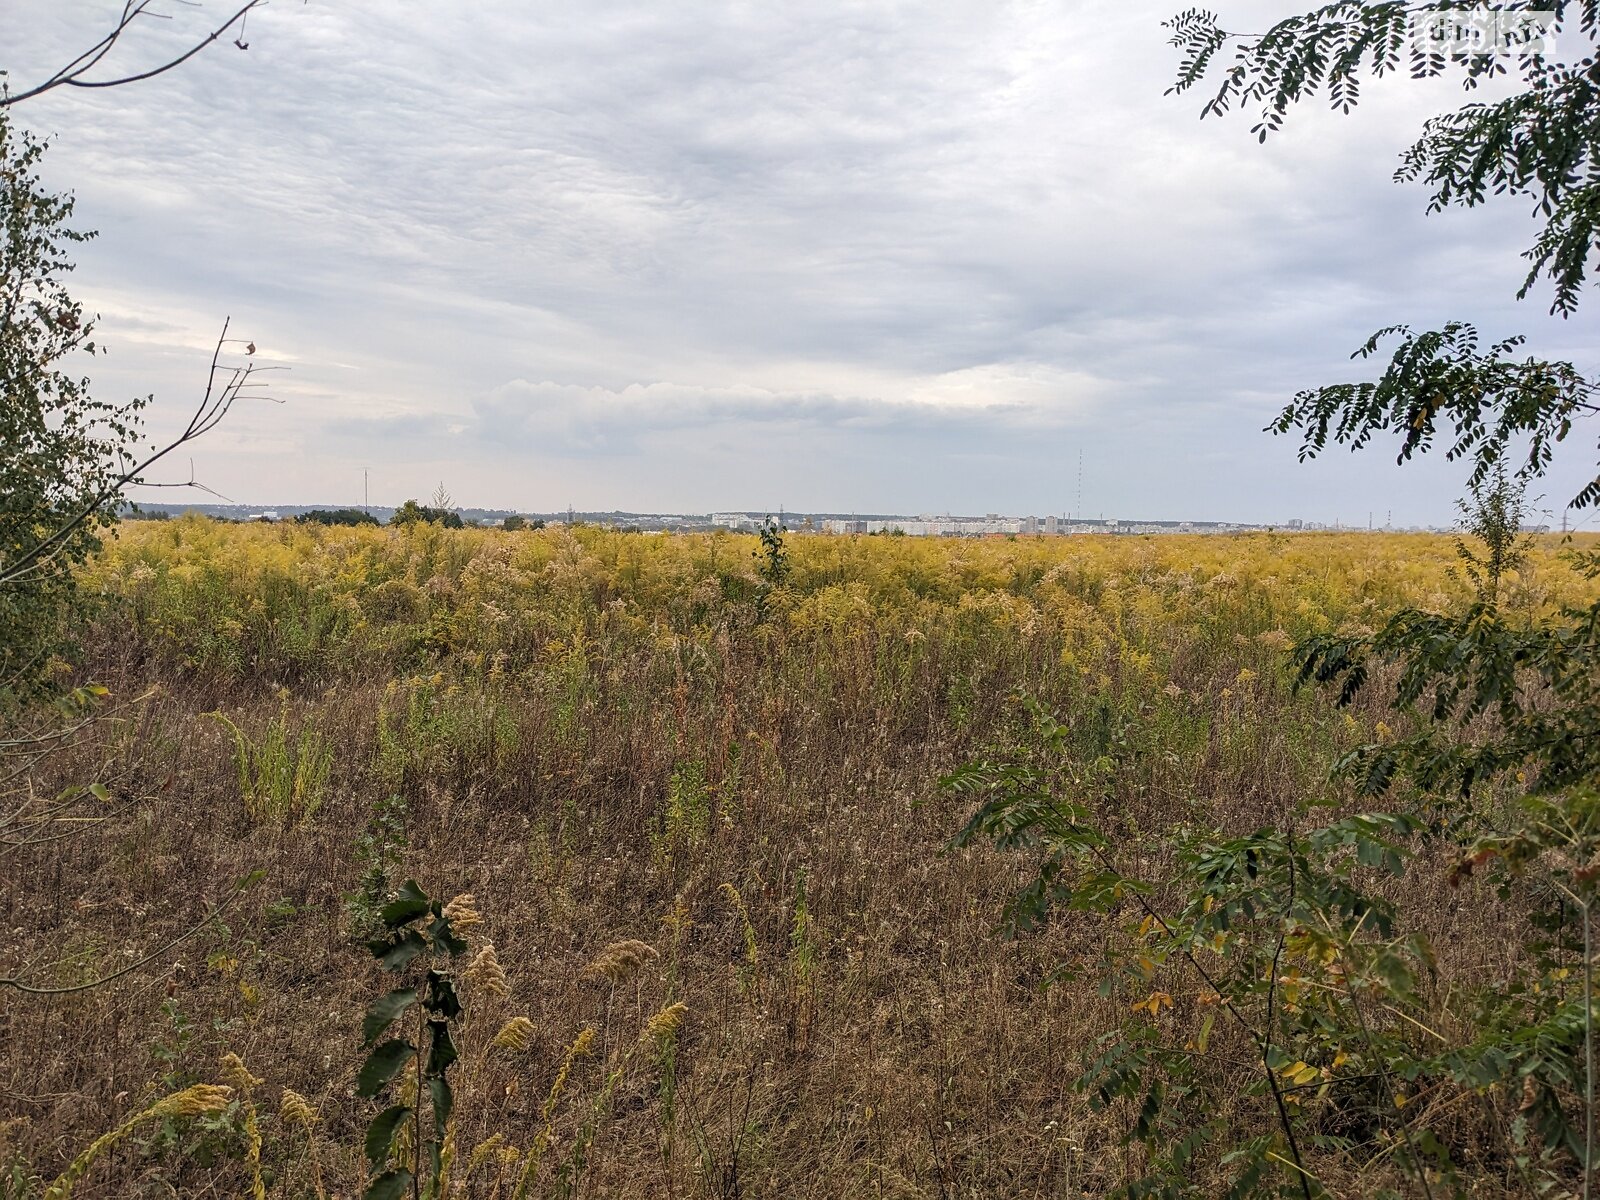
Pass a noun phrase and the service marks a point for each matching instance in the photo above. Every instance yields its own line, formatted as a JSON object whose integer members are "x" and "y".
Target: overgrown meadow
{"x": 716, "y": 942}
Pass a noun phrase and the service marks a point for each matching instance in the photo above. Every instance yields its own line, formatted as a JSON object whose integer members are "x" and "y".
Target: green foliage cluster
{"x": 337, "y": 516}
{"x": 61, "y": 451}
{"x": 418, "y": 942}
{"x": 1279, "y": 948}
{"x": 379, "y": 851}
{"x": 1538, "y": 143}
{"x": 282, "y": 778}
{"x": 412, "y": 513}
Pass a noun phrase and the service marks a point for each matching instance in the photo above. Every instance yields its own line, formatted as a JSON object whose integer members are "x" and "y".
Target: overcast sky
{"x": 682, "y": 257}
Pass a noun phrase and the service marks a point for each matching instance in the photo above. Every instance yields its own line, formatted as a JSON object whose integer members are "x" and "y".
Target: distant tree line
{"x": 411, "y": 513}
{"x": 336, "y": 516}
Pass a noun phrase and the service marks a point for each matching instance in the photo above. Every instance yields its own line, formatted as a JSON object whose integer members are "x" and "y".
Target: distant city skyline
{"x": 821, "y": 521}
{"x": 854, "y": 257}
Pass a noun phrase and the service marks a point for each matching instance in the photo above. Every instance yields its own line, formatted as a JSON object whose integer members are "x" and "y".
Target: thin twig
{"x": 18, "y": 985}
{"x": 72, "y": 74}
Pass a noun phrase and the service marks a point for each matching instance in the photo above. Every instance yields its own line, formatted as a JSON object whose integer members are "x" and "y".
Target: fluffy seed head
{"x": 236, "y": 1074}
{"x": 295, "y": 1109}
{"x": 515, "y": 1035}
{"x": 583, "y": 1045}
{"x": 484, "y": 1151}
{"x": 485, "y": 974}
{"x": 668, "y": 1021}
{"x": 194, "y": 1101}
{"x": 462, "y": 913}
{"x": 619, "y": 961}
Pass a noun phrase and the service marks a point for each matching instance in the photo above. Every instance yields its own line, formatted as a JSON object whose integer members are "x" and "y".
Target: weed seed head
{"x": 619, "y": 961}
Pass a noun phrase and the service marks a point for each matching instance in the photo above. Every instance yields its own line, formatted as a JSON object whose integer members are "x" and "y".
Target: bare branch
{"x": 213, "y": 407}
{"x": 72, "y": 75}
{"x": 10, "y": 982}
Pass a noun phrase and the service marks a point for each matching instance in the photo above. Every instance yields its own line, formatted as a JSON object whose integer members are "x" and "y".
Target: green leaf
{"x": 442, "y": 935}
{"x": 380, "y": 1134}
{"x": 381, "y": 1066}
{"x": 442, "y": 999}
{"x": 444, "y": 1100}
{"x": 391, "y": 1185}
{"x": 383, "y": 1012}
{"x": 396, "y": 953}
{"x": 99, "y": 792}
{"x": 410, "y": 903}
{"x": 442, "y": 1050}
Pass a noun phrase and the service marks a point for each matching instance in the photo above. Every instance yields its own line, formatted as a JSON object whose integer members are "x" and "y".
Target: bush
{"x": 337, "y": 516}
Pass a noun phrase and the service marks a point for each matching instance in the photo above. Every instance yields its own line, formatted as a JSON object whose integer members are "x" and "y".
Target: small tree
{"x": 61, "y": 451}
{"x": 412, "y": 513}
{"x": 1493, "y": 518}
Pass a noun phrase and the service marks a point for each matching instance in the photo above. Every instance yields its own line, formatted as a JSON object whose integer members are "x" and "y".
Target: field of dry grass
{"x": 606, "y": 737}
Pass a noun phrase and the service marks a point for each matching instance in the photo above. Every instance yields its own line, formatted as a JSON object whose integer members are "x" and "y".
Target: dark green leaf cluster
{"x": 1541, "y": 143}
{"x": 772, "y": 563}
{"x": 1544, "y": 144}
{"x": 412, "y": 513}
{"x": 1488, "y": 401}
{"x": 336, "y": 516}
{"x": 1504, "y": 705}
{"x": 1284, "y": 943}
{"x": 1529, "y": 692}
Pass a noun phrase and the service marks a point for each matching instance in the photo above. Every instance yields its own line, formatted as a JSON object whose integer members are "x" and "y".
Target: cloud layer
{"x": 887, "y": 257}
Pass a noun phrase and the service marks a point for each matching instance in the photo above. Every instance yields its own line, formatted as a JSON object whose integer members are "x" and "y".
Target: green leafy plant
{"x": 281, "y": 779}
{"x": 685, "y": 820}
{"x": 1493, "y": 518}
{"x": 772, "y": 563}
{"x": 419, "y": 946}
{"x": 380, "y": 851}
{"x": 773, "y": 556}
{"x": 1279, "y": 936}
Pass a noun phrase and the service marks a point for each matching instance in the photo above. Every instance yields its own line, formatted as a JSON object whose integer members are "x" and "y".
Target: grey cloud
{"x": 930, "y": 251}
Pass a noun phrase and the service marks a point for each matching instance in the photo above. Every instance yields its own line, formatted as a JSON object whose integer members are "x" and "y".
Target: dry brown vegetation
{"x": 604, "y": 738}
